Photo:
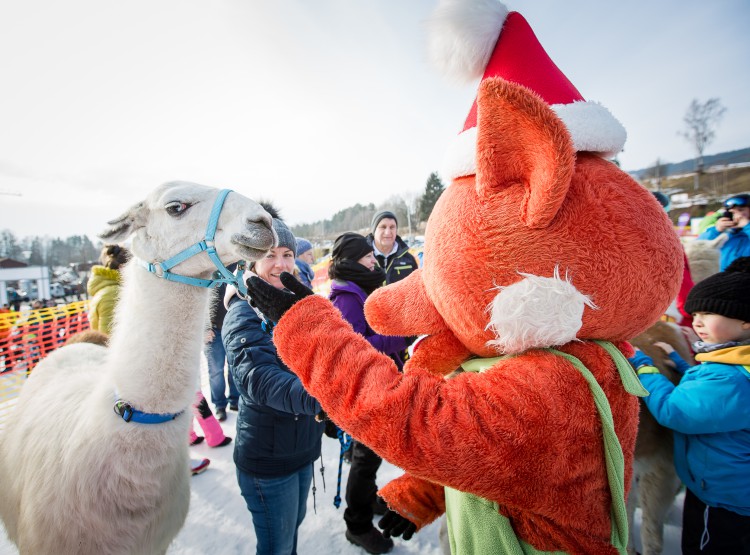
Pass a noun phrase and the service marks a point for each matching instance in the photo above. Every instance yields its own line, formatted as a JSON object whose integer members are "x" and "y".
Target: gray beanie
{"x": 286, "y": 237}
{"x": 381, "y": 215}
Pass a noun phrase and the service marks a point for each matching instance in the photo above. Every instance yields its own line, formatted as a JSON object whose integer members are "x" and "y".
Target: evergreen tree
{"x": 9, "y": 247}
{"x": 36, "y": 253}
{"x": 432, "y": 192}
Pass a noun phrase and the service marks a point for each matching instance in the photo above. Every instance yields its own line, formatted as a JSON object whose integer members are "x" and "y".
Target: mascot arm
{"x": 473, "y": 432}
{"x": 421, "y": 501}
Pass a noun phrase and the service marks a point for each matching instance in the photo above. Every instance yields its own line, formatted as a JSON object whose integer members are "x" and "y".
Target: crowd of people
{"x": 280, "y": 426}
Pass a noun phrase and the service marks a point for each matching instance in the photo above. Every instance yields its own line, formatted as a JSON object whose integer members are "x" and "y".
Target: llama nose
{"x": 264, "y": 219}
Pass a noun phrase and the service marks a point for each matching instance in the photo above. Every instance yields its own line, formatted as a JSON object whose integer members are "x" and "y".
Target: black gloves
{"x": 393, "y": 524}
{"x": 272, "y": 302}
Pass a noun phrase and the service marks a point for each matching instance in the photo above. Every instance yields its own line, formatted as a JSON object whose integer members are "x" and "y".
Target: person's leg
{"x": 361, "y": 488}
{"x": 713, "y": 531}
{"x": 273, "y": 504}
{"x": 304, "y": 476}
{"x": 211, "y": 428}
{"x": 214, "y": 351}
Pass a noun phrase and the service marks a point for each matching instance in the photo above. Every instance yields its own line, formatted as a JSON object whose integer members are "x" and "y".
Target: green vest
{"x": 475, "y": 525}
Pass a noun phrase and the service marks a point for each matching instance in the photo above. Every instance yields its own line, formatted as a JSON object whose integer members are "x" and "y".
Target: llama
{"x": 703, "y": 256}
{"x": 77, "y": 475}
{"x": 655, "y": 482}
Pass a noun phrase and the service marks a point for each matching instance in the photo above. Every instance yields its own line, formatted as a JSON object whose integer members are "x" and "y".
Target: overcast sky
{"x": 314, "y": 104}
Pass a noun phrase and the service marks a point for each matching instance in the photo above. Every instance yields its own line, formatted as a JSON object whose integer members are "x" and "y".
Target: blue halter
{"x": 161, "y": 269}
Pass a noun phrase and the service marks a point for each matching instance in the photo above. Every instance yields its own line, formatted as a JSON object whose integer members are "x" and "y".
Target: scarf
{"x": 350, "y": 270}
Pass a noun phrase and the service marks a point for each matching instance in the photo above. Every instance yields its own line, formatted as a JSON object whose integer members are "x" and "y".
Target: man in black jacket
{"x": 390, "y": 250}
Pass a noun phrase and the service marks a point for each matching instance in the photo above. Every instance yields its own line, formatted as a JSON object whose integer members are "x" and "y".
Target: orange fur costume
{"x": 524, "y": 433}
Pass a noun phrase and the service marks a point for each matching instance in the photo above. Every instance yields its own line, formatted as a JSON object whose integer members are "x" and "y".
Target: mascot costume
{"x": 542, "y": 258}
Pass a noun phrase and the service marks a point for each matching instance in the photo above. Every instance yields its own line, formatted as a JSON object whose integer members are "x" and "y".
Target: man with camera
{"x": 733, "y": 221}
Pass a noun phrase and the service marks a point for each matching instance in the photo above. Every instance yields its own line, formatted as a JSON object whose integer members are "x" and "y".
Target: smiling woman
{"x": 278, "y": 435}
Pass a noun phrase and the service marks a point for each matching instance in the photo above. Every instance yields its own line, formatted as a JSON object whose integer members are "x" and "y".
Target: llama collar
{"x": 129, "y": 414}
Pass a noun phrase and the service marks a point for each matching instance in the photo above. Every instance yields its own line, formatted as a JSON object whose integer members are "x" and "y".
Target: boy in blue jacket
{"x": 709, "y": 411}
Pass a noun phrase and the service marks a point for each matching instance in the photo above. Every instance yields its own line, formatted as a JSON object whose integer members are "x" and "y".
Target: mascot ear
{"x": 123, "y": 227}
{"x": 520, "y": 139}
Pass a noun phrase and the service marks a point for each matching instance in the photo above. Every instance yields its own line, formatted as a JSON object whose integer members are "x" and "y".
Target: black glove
{"x": 393, "y": 524}
{"x": 272, "y": 302}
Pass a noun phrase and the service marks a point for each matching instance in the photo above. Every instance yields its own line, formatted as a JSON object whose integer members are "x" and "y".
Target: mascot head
{"x": 539, "y": 239}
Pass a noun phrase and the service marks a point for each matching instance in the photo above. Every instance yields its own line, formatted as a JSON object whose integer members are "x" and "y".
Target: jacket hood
{"x": 102, "y": 277}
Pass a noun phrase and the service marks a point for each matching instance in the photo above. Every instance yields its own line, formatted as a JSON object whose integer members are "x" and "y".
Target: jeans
{"x": 278, "y": 507}
{"x": 216, "y": 357}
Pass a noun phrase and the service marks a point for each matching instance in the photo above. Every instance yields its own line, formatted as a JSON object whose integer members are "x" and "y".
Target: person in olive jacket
{"x": 278, "y": 437}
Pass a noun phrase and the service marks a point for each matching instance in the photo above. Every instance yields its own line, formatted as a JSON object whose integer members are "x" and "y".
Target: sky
{"x": 315, "y": 106}
{"x": 219, "y": 523}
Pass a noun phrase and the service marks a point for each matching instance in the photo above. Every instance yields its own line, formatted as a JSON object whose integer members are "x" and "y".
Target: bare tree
{"x": 701, "y": 120}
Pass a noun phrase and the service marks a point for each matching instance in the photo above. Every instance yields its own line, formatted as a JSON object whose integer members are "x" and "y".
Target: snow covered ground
{"x": 219, "y": 522}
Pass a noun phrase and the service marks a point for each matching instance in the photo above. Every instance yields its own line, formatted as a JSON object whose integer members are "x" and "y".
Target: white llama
{"x": 703, "y": 256}
{"x": 75, "y": 476}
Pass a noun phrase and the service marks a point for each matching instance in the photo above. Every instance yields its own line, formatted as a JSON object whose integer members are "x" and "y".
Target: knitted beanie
{"x": 726, "y": 293}
{"x": 303, "y": 245}
{"x": 286, "y": 237}
{"x": 379, "y": 216}
{"x": 350, "y": 246}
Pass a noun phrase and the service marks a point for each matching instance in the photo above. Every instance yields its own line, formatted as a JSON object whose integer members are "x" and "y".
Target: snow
{"x": 219, "y": 522}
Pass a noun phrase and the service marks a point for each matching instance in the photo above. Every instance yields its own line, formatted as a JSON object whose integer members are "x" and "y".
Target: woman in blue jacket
{"x": 355, "y": 274}
{"x": 278, "y": 437}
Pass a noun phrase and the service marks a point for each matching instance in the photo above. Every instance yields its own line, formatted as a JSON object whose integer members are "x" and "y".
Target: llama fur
{"x": 703, "y": 256}
{"x": 77, "y": 478}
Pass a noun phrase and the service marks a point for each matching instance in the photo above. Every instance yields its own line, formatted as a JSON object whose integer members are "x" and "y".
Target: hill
{"x": 741, "y": 156}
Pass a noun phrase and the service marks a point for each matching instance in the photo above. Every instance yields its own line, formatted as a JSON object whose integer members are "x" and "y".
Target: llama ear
{"x": 121, "y": 228}
{"x": 521, "y": 140}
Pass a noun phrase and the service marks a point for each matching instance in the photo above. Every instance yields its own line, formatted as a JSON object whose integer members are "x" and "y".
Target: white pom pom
{"x": 462, "y": 35}
{"x": 536, "y": 312}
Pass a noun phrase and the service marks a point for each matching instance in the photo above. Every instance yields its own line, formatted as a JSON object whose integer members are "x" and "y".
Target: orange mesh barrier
{"x": 27, "y": 337}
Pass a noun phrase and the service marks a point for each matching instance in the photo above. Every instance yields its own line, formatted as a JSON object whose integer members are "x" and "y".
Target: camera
{"x": 725, "y": 214}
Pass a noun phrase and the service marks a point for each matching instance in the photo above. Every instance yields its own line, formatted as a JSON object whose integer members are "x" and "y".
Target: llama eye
{"x": 176, "y": 208}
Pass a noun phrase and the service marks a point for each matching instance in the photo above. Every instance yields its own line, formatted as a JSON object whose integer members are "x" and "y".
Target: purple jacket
{"x": 349, "y": 298}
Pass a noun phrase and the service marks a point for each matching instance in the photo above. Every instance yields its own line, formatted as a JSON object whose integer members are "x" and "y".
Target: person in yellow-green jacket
{"x": 104, "y": 286}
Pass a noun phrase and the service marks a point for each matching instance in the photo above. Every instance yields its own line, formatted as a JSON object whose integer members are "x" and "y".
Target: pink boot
{"x": 211, "y": 428}
{"x": 194, "y": 438}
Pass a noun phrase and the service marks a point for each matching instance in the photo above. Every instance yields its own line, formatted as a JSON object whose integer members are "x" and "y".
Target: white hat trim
{"x": 591, "y": 126}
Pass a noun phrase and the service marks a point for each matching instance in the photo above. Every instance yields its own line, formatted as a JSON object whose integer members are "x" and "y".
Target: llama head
{"x": 703, "y": 256}
{"x": 542, "y": 245}
{"x": 175, "y": 216}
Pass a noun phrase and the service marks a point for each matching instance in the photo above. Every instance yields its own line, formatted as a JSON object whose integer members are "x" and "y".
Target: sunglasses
{"x": 736, "y": 202}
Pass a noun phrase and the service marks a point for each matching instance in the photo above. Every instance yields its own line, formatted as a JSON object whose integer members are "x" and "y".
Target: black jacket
{"x": 398, "y": 265}
{"x": 276, "y": 429}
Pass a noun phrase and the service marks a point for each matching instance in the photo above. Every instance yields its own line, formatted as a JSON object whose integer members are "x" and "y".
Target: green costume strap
{"x": 614, "y": 459}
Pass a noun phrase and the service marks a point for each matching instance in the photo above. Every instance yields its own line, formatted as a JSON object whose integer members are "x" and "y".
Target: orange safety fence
{"x": 28, "y": 336}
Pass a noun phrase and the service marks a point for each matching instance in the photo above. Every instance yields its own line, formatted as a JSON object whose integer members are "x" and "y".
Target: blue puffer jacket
{"x": 736, "y": 246}
{"x": 709, "y": 412}
{"x": 276, "y": 429}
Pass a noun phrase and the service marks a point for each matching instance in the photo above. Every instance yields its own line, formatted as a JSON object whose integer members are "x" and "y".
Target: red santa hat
{"x": 473, "y": 38}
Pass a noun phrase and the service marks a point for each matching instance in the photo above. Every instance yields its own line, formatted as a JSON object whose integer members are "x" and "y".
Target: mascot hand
{"x": 393, "y": 524}
{"x": 274, "y": 302}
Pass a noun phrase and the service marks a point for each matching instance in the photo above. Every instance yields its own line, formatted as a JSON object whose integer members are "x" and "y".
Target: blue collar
{"x": 129, "y": 414}
{"x": 161, "y": 269}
